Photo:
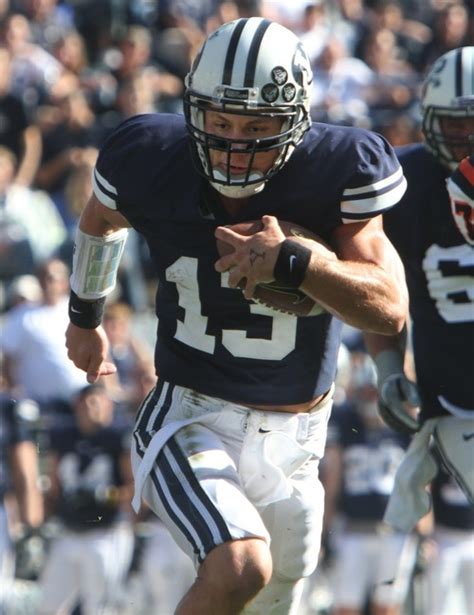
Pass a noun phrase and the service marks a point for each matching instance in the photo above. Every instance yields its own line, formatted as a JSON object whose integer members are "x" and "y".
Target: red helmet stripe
{"x": 467, "y": 169}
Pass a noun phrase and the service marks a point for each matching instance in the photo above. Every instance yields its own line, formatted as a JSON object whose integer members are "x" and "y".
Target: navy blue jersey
{"x": 440, "y": 275}
{"x": 17, "y": 419}
{"x": 451, "y": 508}
{"x": 370, "y": 457}
{"x": 210, "y": 338}
{"x": 88, "y": 471}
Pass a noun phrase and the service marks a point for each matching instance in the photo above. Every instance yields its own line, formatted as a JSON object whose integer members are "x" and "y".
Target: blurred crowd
{"x": 70, "y": 71}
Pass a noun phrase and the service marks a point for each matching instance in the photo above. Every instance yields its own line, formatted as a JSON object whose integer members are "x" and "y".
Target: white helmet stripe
{"x": 253, "y": 53}
{"x": 468, "y": 73}
{"x": 231, "y": 51}
{"x": 464, "y": 72}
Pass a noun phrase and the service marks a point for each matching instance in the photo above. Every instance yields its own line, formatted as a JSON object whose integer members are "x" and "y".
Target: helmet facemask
{"x": 448, "y": 93}
{"x": 440, "y": 144}
{"x": 248, "y": 67}
{"x": 294, "y": 123}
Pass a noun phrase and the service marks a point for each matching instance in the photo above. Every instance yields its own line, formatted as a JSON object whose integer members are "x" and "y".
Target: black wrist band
{"x": 85, "y": 314}
{"x": 291, "y": 264}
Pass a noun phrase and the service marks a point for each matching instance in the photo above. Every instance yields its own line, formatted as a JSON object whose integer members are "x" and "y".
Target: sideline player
{"x": 433, "y": 231}
{"x": 450, "y": 570}
{"x": 90, "y": 476}
{"x": 19, "y": 472}
{"x": 362, "y": 455}
{"x": 227, "y": 446}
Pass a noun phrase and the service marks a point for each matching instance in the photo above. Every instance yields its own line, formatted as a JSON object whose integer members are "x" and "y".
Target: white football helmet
{"x": 448, "y": 91}
{"x": 248, "y": 67}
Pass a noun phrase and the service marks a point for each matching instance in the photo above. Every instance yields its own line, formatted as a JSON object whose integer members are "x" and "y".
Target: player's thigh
{"x": 467, "y": 581}
{"x": 396, "y": 553}
{"x": 167, "y": 572}
{"x": 440, "y": 579}
{"x": 195, "y": 490}
{"x": 350, "y": 577}
{"x": 59, "y": 581}
{"x": 103, "y": 563}
{"x": 295, "y": 525}
{"x": 6, "y": 550}
{"x": 295, "y": 522}
{"x": 115, "y": 549}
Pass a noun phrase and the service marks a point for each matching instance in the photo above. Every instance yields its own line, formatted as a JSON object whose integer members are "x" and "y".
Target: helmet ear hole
{"x": 248, "y": 67}
{"x": 448, "y": 92}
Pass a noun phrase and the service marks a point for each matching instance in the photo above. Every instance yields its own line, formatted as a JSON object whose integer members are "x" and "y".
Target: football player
{"x": 90, "y": 477}
{"x": 226, "y": 447}
{"x": 19, "y": 473}
{"x": 358, "y": 474}
{"x": 433, "y": 231}
{"x": 450, "y": 571}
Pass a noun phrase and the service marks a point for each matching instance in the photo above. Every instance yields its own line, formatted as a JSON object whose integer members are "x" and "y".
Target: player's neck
{"x": 233, "y": 206}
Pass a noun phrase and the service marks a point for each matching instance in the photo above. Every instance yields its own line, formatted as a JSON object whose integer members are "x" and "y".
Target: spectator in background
{"x": 16, "y": 131}
{"x": 23, "y": 289}
{"x": 450, "y": 31}
{"x": 18, "y": 479}
{"x": 90, "y": 478}
{"x": 340, "y": 86}
{"x": 71, "y": 136}
{"x": 136, "y": 49}
{"x": 34, "y": 70}
{"x": 350, "y": 23}
{"x": 76, "y": 190}
{"x": 135, "y": 95}
{"x": 315, "y": 29}
{"x": 33, "y": 211}
{"x": 394, "y": 80}
{"x": 97, "y": 83}
{"x": 32, "y": 339}
{"x": 288, "y": 14}
{"x": 49, "y": 20}
{"x": 411, "y": 36}
{"x": 188, "y": 14}
{"x": 399, "y": 128}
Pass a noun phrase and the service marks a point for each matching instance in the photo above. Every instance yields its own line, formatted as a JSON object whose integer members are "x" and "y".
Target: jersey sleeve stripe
{"x": 348, "y": 218}
{"x": 382, "y": 184}
{"x": 373, "y": 203}
{"x": 104, "y": 191}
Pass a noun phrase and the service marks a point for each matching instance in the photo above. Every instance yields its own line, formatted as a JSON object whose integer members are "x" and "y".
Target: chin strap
{"x": 237, "y": 191}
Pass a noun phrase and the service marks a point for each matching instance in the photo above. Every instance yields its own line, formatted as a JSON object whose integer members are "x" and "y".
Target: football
{"x": 278, "y": 296}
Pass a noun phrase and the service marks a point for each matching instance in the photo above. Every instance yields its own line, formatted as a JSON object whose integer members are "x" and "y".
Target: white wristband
{"x": 95, "y": 263}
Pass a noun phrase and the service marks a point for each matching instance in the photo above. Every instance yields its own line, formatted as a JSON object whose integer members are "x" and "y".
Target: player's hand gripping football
{"x": 399, "y": 401}
{"x": 254, "y": 256}
{"x": 88, "y": 350}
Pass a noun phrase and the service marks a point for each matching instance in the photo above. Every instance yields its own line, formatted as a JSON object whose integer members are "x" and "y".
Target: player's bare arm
{"x": 365, "y": 286}
{"x": 362, "y": 282}
{"x": 88, "y": 347}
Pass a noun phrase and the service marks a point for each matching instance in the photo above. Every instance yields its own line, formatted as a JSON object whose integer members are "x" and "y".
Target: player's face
{"x": 459, "y": 129}
{"x": 94, "y": 410}
{"x": 230, "y": 126}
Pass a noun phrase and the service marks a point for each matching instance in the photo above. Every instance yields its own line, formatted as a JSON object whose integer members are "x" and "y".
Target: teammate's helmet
{"x": 448, "y": 91}
{"x": 248, "y": 67}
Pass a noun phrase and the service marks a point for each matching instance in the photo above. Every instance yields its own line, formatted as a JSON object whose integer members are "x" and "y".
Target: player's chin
{"x": 235, "y": 174}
